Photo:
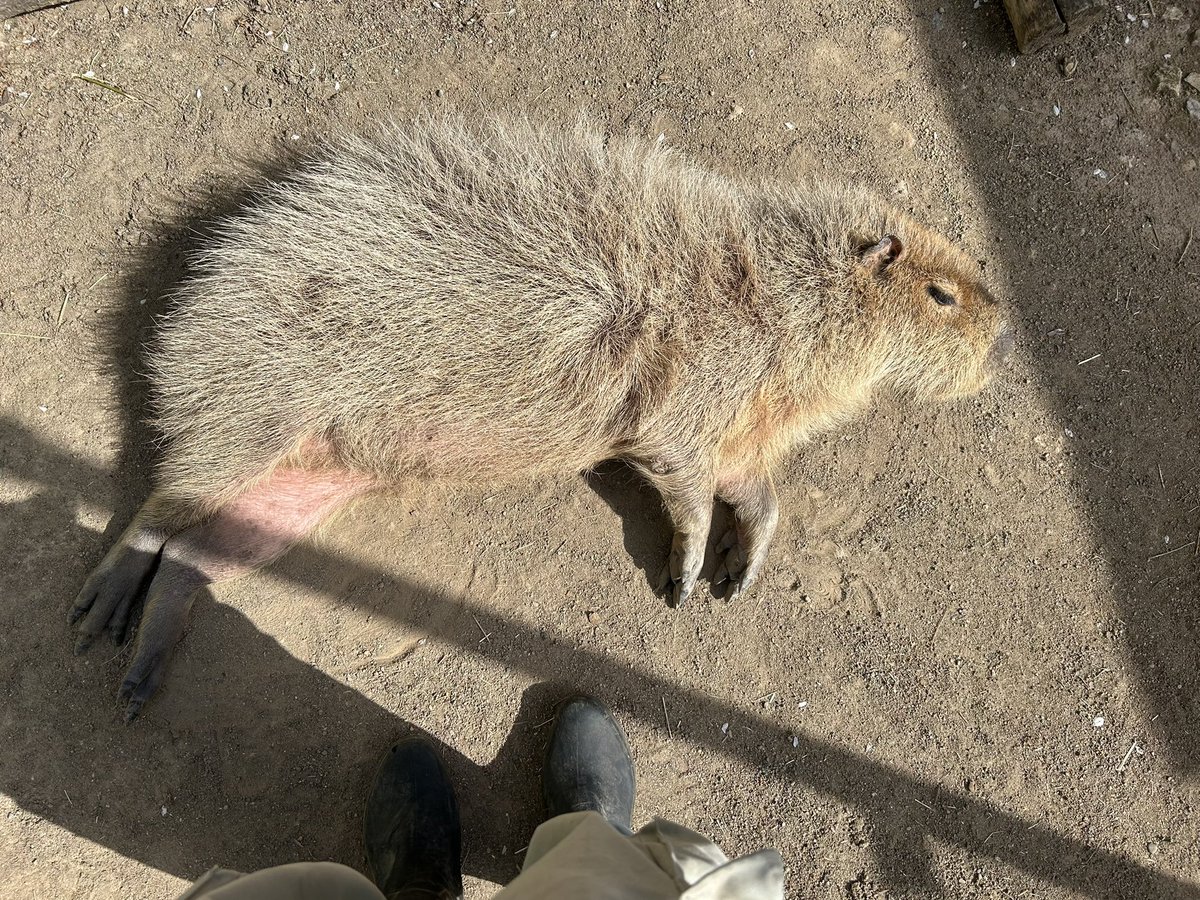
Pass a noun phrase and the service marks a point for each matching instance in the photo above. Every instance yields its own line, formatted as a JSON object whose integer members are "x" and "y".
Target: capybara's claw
{"x": 141, "y": 681}
{"x": 735, "y": 566}
{"x": 682, "y": 568}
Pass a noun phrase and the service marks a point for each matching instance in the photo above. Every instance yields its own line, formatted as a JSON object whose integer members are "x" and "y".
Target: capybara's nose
{"x": 1005, "y": 341}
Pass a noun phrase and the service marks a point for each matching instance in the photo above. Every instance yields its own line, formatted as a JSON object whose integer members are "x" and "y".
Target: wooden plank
{"x": 1080, "y": 14}
{"x": 11, "y": 8}
{"x": 1037, "y": 23}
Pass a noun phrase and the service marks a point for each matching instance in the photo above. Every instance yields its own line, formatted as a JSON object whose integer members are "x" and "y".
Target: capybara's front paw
{"x": 738, "y": 566}
{"x": 682, "y": 570}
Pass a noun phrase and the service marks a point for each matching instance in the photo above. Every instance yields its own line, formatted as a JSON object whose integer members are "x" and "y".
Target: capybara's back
{"x": 450, "y": 302}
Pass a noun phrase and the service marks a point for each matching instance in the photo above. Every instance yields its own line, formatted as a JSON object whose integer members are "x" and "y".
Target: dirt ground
{"x": 970, "y": 668}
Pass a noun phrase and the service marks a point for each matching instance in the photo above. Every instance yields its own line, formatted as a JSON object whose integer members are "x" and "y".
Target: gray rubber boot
{"x": 588, "y": 765}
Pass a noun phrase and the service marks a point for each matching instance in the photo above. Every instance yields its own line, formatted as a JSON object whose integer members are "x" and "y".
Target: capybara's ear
{"x": 879, "y": 256}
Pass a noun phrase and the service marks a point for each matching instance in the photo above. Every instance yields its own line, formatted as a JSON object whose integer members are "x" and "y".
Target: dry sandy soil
{"x": 970, "y": 669}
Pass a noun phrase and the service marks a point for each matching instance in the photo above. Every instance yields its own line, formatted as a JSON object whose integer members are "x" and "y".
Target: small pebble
{"x": 1173, "y": 14}
{"x": 1098, "y": 722}
{"x": 1167, "y": 79}
{"x": 725, "y": 728}
{"x": 1193, "y": 108}
{"x": 1193, "y": 80}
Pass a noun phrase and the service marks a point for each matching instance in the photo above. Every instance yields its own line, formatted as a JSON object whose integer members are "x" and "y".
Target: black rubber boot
{"x": 413, "y": 836}
{"x": 588, "y": 765}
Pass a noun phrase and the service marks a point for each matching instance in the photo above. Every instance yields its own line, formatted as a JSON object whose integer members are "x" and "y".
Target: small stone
{"x": 1068, "y": 65}
{"x": 1167, "y": 80}
{"x": 1193, "y": 108}
{"x": 1193, "y": 79}
{"x": 1196, "y": 38}
{"x": 1098, "y": 722}
{"x": 1173, "y": 14}
{"x": 1152, "y": 848}
{"x": 735, "y": 112}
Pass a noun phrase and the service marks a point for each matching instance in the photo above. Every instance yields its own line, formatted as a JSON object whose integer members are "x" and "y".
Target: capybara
{"x": 441, "y": 301}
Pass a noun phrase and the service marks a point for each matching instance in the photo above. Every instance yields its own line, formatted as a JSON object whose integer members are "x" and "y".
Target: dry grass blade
{"x": 24, "y": 334}
{"x": 109, "y": 86}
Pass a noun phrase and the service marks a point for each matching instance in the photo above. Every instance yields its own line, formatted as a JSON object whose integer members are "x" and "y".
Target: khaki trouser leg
{"x": 297, "y": 881}
{"x": 580, "y": 855}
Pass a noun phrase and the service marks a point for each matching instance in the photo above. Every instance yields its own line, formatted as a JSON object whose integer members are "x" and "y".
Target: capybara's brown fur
{"x": 462, "y": 303}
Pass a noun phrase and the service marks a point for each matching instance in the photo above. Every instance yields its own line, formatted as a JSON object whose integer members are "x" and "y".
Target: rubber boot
{"x": 588, "y": 765}
{"x": 412, "y": 832}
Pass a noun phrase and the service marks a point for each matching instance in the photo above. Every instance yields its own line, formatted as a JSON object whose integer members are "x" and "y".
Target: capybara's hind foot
{"x": 250, "y": 530}
{"x": 107, "y": 599}
{"x": 167, "y": 605}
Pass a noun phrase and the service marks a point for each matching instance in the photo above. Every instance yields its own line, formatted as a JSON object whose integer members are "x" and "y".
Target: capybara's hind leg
{"x": 248, "y": 532}
{"x": 756, "y": 513}
{"x": 107, "y": 597}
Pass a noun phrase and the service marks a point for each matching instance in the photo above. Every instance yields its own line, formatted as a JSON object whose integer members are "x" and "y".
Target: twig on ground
{"x": 1187, "y": 246}
{"x": 1169, "y": 552}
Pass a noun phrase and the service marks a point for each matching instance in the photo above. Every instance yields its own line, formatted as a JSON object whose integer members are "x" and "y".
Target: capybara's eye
{"x": 941, "y": 297}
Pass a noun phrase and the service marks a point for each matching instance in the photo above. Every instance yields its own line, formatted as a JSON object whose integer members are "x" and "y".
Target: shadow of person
{"x": 261, "y": 760}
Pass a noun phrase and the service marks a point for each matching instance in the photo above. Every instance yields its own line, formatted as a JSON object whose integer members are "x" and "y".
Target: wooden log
{"x": 1080, "y": 15}
{"x": 11, "y": 8}
{"x": 1039, "y": 23}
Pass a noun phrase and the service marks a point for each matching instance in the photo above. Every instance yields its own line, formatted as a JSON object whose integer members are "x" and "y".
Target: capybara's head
{"x": 937, "y": 329}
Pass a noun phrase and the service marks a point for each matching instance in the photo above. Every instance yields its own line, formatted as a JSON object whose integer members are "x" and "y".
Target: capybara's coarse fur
{"x": 448, "y": 302}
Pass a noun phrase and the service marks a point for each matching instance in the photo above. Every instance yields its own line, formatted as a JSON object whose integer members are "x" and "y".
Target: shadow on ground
{"x": 301, "y": 734}
{"x": 1107, "y": 298}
